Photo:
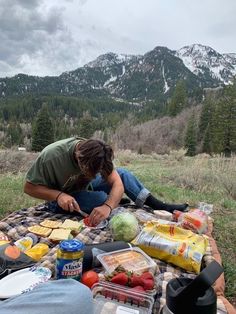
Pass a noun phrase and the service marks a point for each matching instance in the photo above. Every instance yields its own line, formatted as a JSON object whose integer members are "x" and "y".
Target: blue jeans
{"x": 57, "y": 296}
{"x": 88, "y": 200}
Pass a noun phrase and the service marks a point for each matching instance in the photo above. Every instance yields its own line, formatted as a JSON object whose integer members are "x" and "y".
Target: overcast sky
{"x": 48, "y": 37}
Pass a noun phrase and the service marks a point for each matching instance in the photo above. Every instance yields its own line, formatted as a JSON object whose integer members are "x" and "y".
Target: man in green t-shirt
{"x": 77, "y": 175}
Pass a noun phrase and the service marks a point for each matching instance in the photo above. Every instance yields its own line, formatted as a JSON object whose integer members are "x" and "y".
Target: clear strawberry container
{"x": 112, "y": 299}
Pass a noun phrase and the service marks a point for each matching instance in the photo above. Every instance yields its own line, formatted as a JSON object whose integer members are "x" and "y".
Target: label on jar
{"x": 69, "y": 268}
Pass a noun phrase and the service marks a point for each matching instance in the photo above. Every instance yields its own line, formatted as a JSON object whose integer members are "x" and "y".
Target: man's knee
{"x": 122, "y": 172}
{"x": 78, "y": 297}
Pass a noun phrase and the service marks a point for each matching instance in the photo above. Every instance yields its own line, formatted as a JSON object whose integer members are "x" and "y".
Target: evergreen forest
{"x": 35, "y": 121}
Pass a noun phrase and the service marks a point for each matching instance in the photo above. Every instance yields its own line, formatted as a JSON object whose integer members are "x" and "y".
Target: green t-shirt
{"x": 56, "y": 167}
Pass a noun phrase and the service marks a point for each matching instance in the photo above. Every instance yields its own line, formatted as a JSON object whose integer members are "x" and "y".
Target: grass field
{"x": 172, "y": 178}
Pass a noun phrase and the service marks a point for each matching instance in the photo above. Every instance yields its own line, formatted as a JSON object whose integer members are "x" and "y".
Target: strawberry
{"x": 147, "y": 280}
{"x": 148, "y": 284}
{"x": 135, "y": 281}
{"x": 107, "y": 294}
{"x": 121, "y": 297}
{"x": 137, "y": 299}
{"x": 138, "y": 289}
{"x": 147, "y": 275}
{"x": 120, "y": 279}
{"x": 87, "y": 222}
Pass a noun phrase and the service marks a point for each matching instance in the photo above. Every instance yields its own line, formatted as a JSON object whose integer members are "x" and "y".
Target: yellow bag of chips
{"x": 172, "y": 244}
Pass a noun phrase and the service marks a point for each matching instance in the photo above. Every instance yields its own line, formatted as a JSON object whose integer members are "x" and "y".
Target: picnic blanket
{"x": 16, "y": 224}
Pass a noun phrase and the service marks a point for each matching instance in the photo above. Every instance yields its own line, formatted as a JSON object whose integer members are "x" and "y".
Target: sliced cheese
{"x": 59, "y": 234}
{"x": 71, "y": 224}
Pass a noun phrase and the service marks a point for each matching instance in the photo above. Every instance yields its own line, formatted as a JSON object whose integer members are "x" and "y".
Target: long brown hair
{"x": 95, "y": 156}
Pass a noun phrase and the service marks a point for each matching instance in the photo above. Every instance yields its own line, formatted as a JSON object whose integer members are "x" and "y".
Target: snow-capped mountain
{"x": 109, "y": 59}
{"x": 150, "y": 76}
{"x": 113, "y": 65}
{"x": 135, "y": 78}
{"x": 206, "y": 62}
{"x": 231, "y": 58}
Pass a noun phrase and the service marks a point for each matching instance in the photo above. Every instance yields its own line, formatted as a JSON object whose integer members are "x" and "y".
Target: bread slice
{"x": 40, "y": 231}
{"x": 71, "y": 224}
{"x": 60, "y": 234}
{"x": 53, "y": 224}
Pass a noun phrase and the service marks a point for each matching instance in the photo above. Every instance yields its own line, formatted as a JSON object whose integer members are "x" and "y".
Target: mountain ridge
{"x": 151, "y": 76}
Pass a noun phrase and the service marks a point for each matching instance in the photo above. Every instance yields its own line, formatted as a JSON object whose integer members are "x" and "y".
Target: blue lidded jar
{"x": 70, "y": 259}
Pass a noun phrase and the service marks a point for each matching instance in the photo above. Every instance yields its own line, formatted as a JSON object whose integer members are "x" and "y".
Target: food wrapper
{"x": 143, "y": 216}
{"x": 195, "y": 220}
{"x": 172, "y": 244}
{"x": 37, "y": 251}
{"x": 163, "y": 214}
{"x": 12, "y": 259}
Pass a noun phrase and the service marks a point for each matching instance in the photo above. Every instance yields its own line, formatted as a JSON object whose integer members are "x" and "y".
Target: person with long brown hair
{"x": 78, "y": 175}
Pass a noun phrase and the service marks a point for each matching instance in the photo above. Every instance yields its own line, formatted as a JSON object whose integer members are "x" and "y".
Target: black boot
{"x": 155, "y": 204}
{"x": 124, "y": 201}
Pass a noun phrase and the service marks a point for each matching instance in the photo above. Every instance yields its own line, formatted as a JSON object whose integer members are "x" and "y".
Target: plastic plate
{"x": 23, "y": 280}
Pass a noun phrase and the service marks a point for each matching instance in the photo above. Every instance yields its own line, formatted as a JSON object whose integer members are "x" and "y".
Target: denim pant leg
{"x": 87, "y": 201}
{"x": 57, "y": 296}
{"x": 134, "y": 189}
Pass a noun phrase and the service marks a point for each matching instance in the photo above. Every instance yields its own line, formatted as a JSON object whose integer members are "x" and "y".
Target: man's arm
{"x": 117, "y": 190}
{"x": 40, "y": 191}
{"x": 64, "y": 200}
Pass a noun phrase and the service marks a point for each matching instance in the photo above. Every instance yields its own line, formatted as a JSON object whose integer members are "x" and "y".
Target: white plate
{"x": 23, "y": 280}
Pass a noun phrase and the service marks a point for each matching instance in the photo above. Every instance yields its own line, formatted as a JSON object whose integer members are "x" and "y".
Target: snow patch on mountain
{"x": 231, "y": 58}
{"x": 166, "y": 87}
{"x": 199, "y": 59}
{"x": 109, "y": 59}
{"x": 123, "y": 70}
{"x": 110, "y": 80}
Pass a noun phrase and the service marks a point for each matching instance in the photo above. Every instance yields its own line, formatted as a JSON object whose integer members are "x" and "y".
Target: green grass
{"x": 12, "y": 197}
{"x": 171, "y": 178}
{"x": 195, "y": 180}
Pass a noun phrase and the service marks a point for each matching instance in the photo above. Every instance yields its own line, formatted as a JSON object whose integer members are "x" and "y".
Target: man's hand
{"x": 67, "y": 202}
{"x": 99, "y": 214}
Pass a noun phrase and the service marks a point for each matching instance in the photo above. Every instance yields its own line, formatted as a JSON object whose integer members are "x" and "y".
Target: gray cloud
{"x": 31, "y": 34}
{"x": 21, "y": 3}
{"x": 43, "y": 37}
{"x": 82, "y": 2}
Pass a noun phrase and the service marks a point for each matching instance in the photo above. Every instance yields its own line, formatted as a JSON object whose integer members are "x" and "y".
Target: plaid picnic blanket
{"x": 16, "y": 224}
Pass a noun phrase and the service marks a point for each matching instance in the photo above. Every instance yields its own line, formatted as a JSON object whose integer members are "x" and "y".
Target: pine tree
{"x": 207, "y": 126}
{"x": 205, "y": 117}
{"x": 217, "y": 128}
{"x": 43, "y": 133}
{"x": 191, "y": 137}
{"x": 105, "y": 135}
{"x": 86, "y": 126}
{"x": 207, "y": 141}
{"x": 14, "y": 135}
{"x": 224, "y": 117}
{"x": 227, "y": 121}
{"x": 62, "y": 128}
{"x": 178, "y": 100}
